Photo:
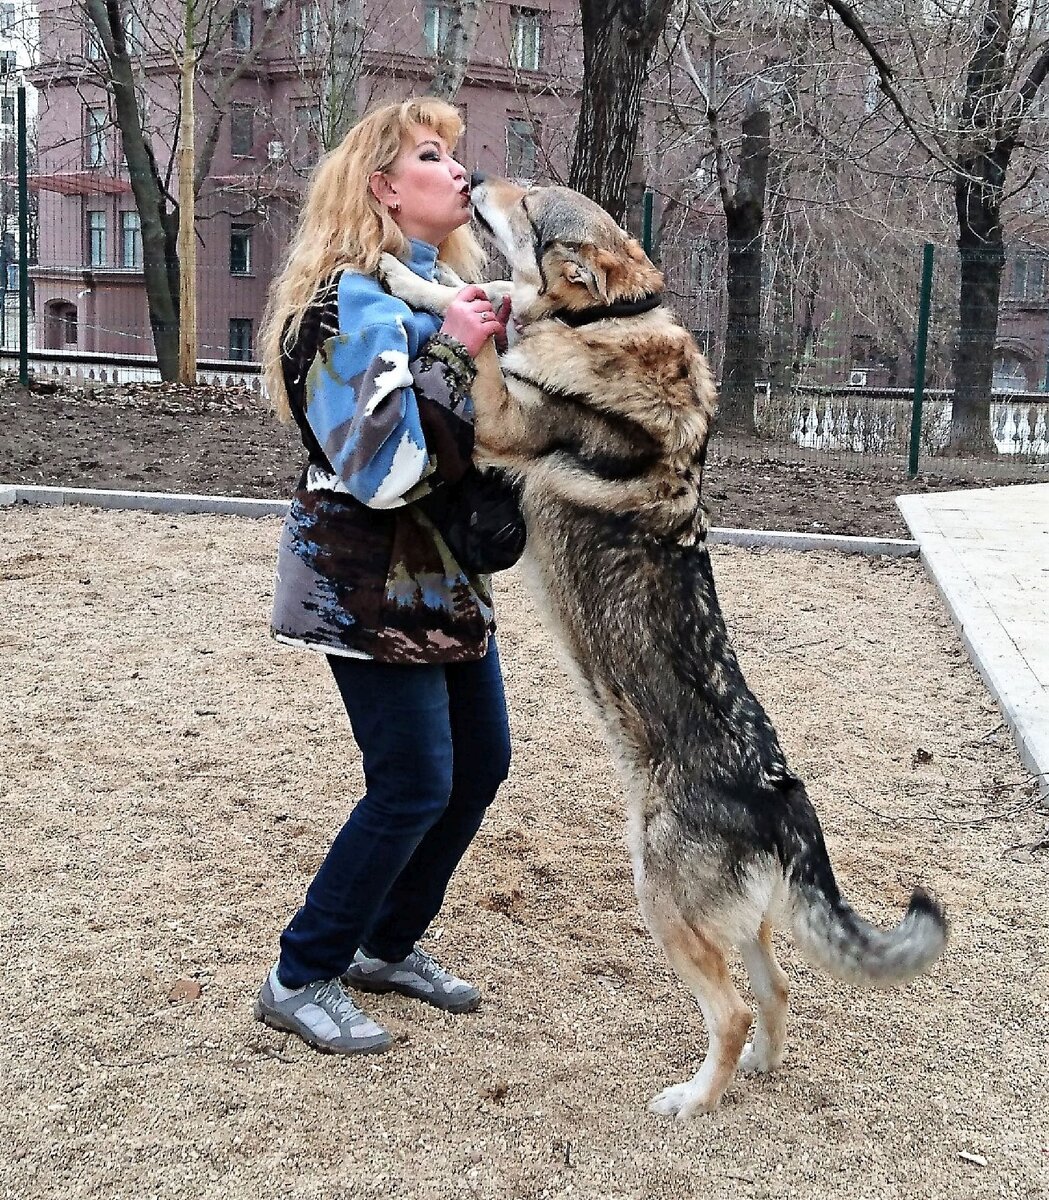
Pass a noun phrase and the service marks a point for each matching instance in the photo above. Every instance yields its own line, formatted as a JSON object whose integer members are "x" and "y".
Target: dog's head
{"x": 564, "y": 250}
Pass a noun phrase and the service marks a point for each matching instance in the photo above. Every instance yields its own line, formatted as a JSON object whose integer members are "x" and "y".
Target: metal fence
{"x": 840, "y": 357}
{"x": 835, "y": 361}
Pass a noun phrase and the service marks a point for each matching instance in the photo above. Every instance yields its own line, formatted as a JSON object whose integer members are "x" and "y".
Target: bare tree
{"x": 619, "y": 37}
{"x": 743, "y": 202}
{"x": 994, "y": 57}
{"x": 150, "y": 160}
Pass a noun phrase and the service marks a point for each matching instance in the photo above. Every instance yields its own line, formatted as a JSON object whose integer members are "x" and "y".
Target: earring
{"x": 395, "y": 206}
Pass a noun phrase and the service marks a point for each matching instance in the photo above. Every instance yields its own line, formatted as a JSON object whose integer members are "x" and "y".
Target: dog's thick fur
{"x": 606, "y": 426}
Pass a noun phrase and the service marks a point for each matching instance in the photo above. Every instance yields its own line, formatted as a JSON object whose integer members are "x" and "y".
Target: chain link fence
{"x": 834, "y": 377}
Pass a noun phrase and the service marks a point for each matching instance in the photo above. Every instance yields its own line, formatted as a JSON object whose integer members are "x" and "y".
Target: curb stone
{"x": 178, "y": 502}
{"x": 997, "y": 657}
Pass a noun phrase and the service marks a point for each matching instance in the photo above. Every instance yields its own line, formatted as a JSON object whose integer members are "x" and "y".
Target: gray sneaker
{"x": 322, "y": 1015}
{"x": 417, "y": 976}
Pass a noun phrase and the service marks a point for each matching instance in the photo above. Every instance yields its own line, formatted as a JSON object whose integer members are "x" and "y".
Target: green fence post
{"x": 924, "y": 304}
{"x": 646, "y": 222}
{"x": 23, "y": 243}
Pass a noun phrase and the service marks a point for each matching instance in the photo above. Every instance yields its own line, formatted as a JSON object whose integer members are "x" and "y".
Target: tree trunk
{"x": 981, "y": 282}
{"x": 744, "y": 217}
{"x": 618, "y": 39}
{"x": 983, "y": 162}
{"x": 187, "y": 230}
{"x": 159, "y": 231}
{"x": 781, "y": 323}
{"x": 454, "y": 56}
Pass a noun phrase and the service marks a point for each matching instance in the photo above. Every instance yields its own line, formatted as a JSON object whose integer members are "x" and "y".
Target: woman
{"x": 381, "y": 396}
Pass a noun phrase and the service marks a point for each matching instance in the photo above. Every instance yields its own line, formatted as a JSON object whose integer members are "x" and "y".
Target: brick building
{"x": 90, "y": 292}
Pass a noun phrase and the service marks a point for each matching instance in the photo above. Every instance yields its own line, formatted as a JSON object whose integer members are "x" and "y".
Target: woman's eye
{"x": 431, "y": 156}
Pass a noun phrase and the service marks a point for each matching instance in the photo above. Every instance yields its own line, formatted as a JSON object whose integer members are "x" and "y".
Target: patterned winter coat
{"x": 382, "y": 401}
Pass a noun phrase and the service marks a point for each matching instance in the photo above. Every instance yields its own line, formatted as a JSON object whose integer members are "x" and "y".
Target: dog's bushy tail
{"x": 832, "y": 935}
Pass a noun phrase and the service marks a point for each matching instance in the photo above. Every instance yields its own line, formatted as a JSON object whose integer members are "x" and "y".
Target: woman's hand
{"x": 470, "y": 319}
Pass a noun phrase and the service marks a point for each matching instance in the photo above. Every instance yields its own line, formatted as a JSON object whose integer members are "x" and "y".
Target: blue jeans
{"x": 436, "y": 746}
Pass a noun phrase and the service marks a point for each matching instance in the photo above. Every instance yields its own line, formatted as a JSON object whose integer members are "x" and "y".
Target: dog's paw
{"x": 757, "y": 1060}
{"x": 682, "y": 1100}
{"x": 445, "y": 276}
{"x": 391, "y": 270}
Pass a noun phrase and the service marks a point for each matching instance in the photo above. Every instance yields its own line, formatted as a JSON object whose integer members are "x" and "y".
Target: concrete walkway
{"x": 988, "y": 551}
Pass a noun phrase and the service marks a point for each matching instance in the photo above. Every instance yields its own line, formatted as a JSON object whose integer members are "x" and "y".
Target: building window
{"x": 309, "y": 29}
{"x": 240, "y": 250}
{"x": 7, "y": 110}
{"x": 241, "y": 131}
{"x": 93, "y": 50}
{"x": 308, "y": 141}
{"x": 526, "y": 44}
{"x": 8, "y": 17}
{"x": 437, "y": 19}
{"x": 96, "y": 238}
{"x": 872, "y": 92}
{"x": 132, "y": 32}
{"x": 95, "y": 140}
{"x": 8, "y": 62}
{"x": 1029, "y": 278}
{"x": 522, "y": 149}
{"x": 240, "y": 28}
{"x": 240, "y": 348}
{"x": 130, "y": 240}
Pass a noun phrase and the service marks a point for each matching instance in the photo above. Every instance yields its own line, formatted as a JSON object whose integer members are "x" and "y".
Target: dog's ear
{"x": 583, "y": 265}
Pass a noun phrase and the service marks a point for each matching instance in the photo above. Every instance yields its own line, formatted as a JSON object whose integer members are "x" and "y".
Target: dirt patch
{"x": 218, "y": 441}
{"x": 172, "y": 778}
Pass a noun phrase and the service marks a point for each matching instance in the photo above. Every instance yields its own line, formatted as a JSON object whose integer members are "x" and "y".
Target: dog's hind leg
{"x": 764, "y": 1052}
{"x": 700, "y": 963}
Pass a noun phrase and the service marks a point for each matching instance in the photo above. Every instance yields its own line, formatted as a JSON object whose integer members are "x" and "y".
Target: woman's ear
{"x": 383, "y": 190}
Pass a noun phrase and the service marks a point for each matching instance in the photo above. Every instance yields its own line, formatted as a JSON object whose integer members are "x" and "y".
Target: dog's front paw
{"x": 445, "y": 276}
{"x": 682, "y": 1101}
{"x": 392, "y": 272}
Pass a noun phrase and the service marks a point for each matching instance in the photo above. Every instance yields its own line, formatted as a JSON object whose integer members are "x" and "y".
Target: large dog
{"x": 604, "y": 417}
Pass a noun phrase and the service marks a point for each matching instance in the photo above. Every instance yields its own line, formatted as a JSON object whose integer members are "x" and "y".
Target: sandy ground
{"x": 171, "y": 778}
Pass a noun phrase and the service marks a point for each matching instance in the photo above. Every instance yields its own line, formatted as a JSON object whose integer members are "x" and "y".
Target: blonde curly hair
{"x": 343, "y": 225}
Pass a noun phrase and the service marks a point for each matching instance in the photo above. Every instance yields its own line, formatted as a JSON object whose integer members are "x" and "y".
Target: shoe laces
{"x": 429, "y": 968}
{"x": 334, "y": 998}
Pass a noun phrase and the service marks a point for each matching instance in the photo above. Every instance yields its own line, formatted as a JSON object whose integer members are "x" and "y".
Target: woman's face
{"x": 426, "y": 190}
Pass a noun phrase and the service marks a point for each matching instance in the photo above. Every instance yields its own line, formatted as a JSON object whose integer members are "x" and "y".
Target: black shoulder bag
{"x": 480, "y": 519}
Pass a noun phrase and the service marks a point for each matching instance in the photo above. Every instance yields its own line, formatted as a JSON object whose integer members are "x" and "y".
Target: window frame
{"x": 240, "y": 231}
{"x": 307, "y": 139}
{"x": 533, "y": 137}
{"x": 135, "y": 231}
{"x": 245, "y": 10}
{"x": 436, "y": 18}
{"x": 309, "y": 34}
{"x": 96, "y": 143}
{"x": 241, "y": 113}
{"x": 243, "y": 352}
{"x": 97, "y": 237}
{"x": 526, "y": 22}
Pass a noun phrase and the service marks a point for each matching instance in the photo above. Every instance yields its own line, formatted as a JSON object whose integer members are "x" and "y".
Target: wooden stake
{"x": 187, "y": 239}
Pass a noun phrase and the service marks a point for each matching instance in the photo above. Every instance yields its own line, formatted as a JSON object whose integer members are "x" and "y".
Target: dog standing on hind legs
{"x": 602, "y": 411}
